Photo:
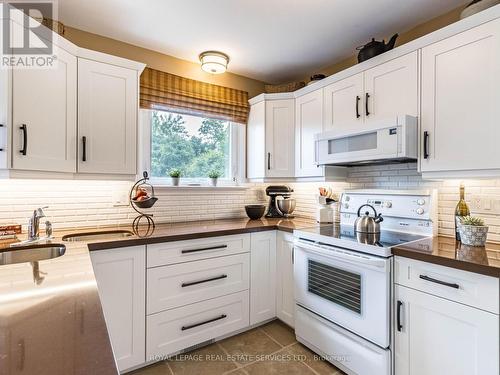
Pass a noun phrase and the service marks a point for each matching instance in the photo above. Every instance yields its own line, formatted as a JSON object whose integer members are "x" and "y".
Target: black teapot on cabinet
{"x": 375, "y": 48}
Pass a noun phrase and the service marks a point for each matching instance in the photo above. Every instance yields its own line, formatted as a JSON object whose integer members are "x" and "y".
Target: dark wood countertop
{"x": 197, "y": 229}
{"x": 447, "y": 252}
{"x": 51, "y": 319}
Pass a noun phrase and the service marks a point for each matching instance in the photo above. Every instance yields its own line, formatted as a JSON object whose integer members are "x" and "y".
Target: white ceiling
{"x": 271, "y": 40}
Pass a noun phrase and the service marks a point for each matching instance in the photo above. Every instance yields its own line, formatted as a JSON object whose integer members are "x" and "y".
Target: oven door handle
{"x": 334, "y": 254}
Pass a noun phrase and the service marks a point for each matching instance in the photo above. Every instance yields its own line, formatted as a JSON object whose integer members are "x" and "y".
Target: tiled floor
{"x": 269, "y": 349}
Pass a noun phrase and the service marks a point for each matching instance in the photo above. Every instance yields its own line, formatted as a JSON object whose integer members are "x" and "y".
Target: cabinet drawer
{"x": 171, "y": 331}
{"x": 469, "y": 288}
{"x": 185, "y": 251}
{"x": 181, "y": 284}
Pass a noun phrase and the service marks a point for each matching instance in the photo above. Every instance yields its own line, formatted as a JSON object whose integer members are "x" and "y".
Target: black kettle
{"x": 375, "y": 48}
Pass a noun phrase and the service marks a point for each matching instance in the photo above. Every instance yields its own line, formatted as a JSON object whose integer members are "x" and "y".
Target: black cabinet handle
{"x": 205, "y": 322}
{"x": 203, "y": 249}
{"x": 367, "y": 96}
{"x": 268, "y": 161}
{"x": 357, "y": 106}
{"x": 399, "y": 325}
{"x": 426, "y": 145}
{"x": 203, "y": 281}
{"x": 84, "y": 148}
{"x": 24, "y": 129}
{"x": 440, "y": 282}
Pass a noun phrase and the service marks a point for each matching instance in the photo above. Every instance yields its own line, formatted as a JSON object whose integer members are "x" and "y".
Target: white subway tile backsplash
{"x": 89, "y": 203}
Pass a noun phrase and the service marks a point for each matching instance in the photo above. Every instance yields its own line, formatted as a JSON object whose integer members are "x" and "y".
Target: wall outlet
{"x": 475, "y": 203}
{"x": 484, "y": 204}
{"x": 119, "y": 198}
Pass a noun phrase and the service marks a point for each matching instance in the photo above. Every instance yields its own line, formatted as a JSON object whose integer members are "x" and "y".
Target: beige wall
{"x": 160, "y": 61}
{"x": 418, "y": 31}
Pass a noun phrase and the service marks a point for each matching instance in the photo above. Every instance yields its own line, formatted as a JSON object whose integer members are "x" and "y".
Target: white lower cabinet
{"x": 262, "y": 276}
{"x": 190, "y": 292}
{"x": 434, "y": 335}
{"x": 285, "y": 304}
{"x": 182, "y": 284}
{"x": 121, "y": 280}
{"x": 171, "y": 331}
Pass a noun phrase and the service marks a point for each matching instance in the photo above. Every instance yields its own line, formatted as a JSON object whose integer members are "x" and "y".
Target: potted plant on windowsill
{"x": 214, "y": 176}
{"x": 473, "y": 232}
{"x": 175, "y": 174}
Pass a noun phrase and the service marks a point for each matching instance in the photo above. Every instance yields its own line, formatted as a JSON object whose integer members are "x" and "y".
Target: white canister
{"x": 324, "y": 214}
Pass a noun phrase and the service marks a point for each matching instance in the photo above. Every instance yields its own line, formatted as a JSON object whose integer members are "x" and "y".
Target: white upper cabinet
{"x": 44, "y": 116}
{"x": 391, "y": 89}
{"x": 107, "y": 118}
{"x": 343, "y": 103}
{"x": 280, "y": 146}
{"x": 376, "y": 94}
{"x": 47, "y": 114}
{"x": 309, "y": 121}
{"x": 256, "y": 147}
{"x": 270, "y": 139}
{"x": 460, "y": 104}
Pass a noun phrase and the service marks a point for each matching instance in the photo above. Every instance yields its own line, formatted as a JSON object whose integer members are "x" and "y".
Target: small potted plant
{"x": 214, "y": 175}
{"x": 473, "y": 232}
{"x": 175, "y": 174}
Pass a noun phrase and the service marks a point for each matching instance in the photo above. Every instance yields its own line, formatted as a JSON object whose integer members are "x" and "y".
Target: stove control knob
{"x": 388, "y": 204}
{"x": 421, "y": 202}
{"x": 346, "y": 205}
{"x": 347, "y": 198}
{"x": 420, "y": 211}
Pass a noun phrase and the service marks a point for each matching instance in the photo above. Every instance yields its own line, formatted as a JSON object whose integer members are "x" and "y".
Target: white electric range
{"x": 343, "y": 278}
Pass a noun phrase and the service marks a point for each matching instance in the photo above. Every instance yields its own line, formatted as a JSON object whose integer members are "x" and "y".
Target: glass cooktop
{"x": 346, "y": 233}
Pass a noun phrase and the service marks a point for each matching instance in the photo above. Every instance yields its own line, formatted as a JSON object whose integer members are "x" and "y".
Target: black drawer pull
{"x": 205, "y": 322}
{"x": 203, "y": 281}
{"x": 451, "y": 285}
{"x": 24, "y": 129}
{"x": 400, "y": 326}
{"x": 203, "y": 249}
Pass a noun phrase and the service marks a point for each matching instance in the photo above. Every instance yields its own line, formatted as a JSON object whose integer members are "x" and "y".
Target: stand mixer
{"x": 280, "y": 202}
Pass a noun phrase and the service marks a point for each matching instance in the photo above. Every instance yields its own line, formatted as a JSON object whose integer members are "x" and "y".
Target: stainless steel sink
{"x": 95, "y": 236}
{"x": 32, "y": 253}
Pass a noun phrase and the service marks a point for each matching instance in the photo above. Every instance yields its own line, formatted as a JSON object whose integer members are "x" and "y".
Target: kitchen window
{"x": 196, "y": 145}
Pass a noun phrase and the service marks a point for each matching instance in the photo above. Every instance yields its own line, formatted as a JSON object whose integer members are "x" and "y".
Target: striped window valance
{"x": 168, "y": 92}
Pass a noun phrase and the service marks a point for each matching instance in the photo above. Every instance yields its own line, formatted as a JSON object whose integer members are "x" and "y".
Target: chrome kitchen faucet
{"x": 34, "y": 224}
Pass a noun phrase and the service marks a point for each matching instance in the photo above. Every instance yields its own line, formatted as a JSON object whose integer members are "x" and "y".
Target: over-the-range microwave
{"x": 391, "y": 140}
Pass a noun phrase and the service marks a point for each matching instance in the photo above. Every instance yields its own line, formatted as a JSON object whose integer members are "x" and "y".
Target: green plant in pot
{"x": 473, "y": 232}
{"x": 175, "y": 174}
{"x": 214, "y": 175}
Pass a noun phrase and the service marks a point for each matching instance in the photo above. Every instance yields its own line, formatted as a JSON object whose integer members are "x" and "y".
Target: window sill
{"x": 199, "y": 188}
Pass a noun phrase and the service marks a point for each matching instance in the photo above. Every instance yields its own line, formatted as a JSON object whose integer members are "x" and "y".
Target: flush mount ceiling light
{"x": 214, "y": 62}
